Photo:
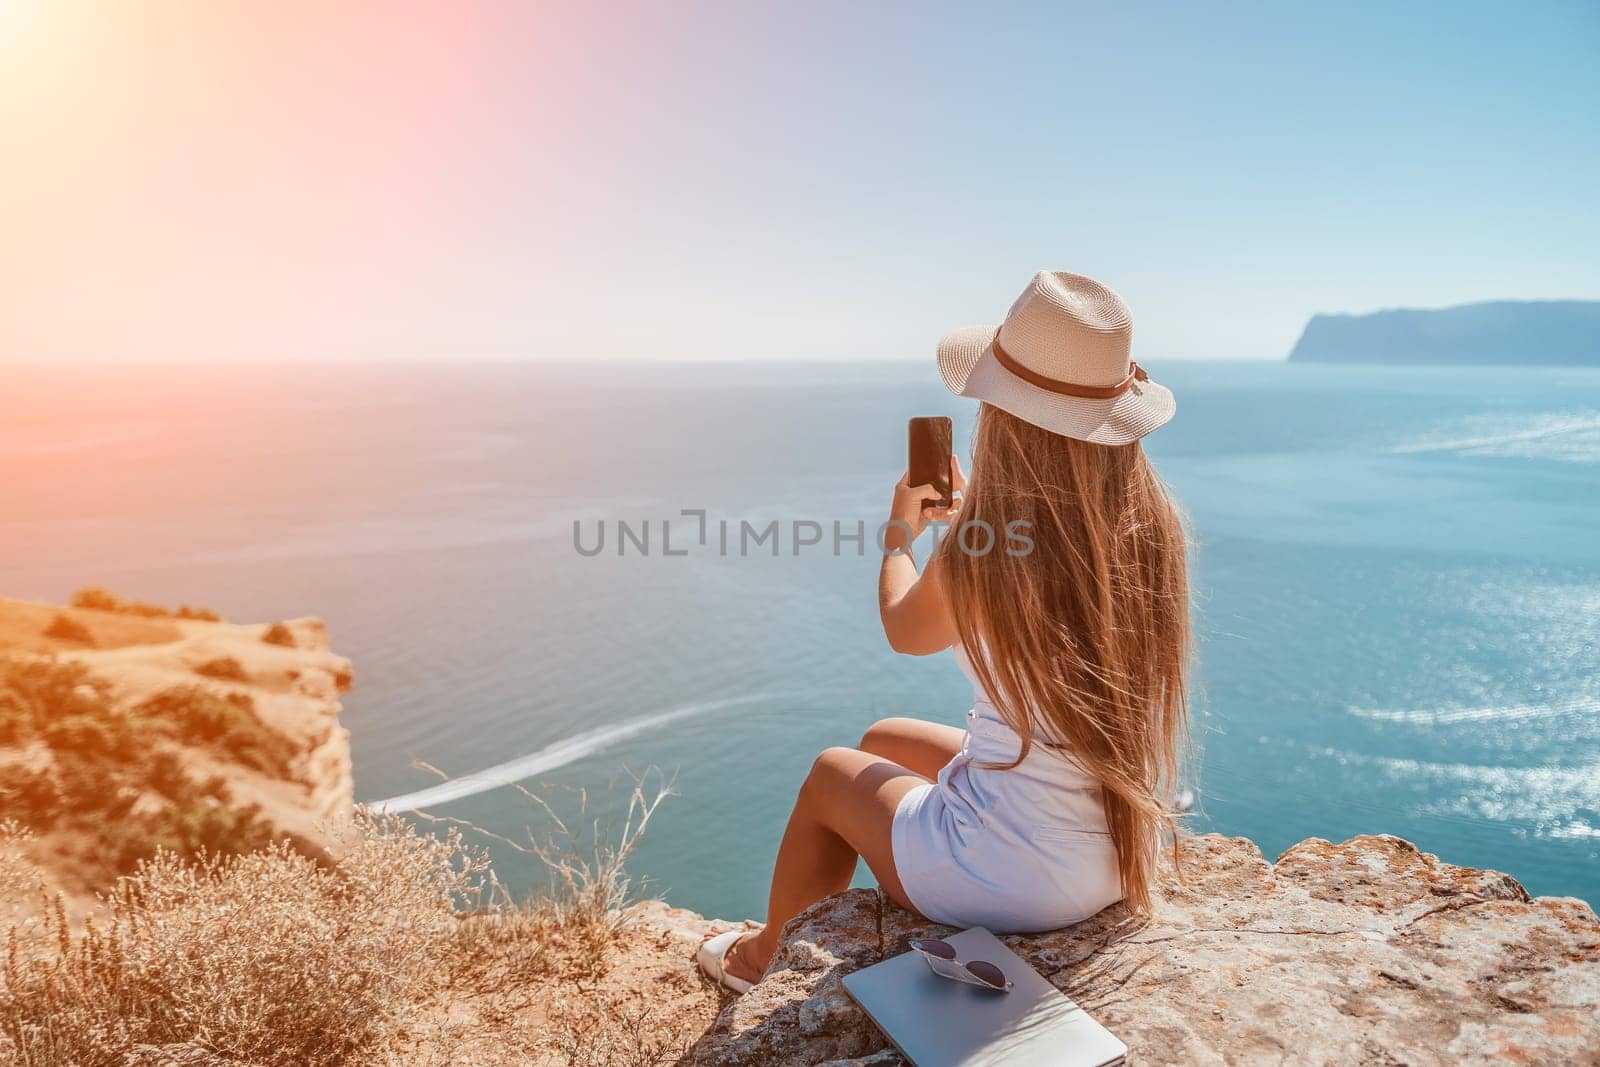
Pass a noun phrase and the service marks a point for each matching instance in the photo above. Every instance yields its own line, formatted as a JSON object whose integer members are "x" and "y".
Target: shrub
{"x": 98, "y": 598}
{"x": 83, "y": 735}
{"x": 610, "y": 1032}
{"x": 166, "y": 774}
{"x": 30, "y": 796}
{"x": 21, "y": 880}
{"x": 215, "y": 786}
{"x": 16, "y": 719}
{"x": 191, "y": 827}
{"x": 224, "y": 667}
{"x": 225, "y": 722}
{"x": 279, "y": 634}
{"x": 102, "y": 762}
{"x": 66, "y": 628}
{"x": 273, "y": 958}
{"x": 265, "y": 959}
{"x": 34, "y": 691}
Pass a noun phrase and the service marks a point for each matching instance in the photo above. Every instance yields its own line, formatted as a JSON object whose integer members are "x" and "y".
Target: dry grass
{"x": 21, "y": 883}
{"x": 536, "y": 971}
{"x": 576, "y": 923}
{"x": 214, "y": 943}
{"x": 267, "y": 958}
{"x": 404, "y": 949}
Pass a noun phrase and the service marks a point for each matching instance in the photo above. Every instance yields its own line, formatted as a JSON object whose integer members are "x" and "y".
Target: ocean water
{"x": 1397, "y": 583}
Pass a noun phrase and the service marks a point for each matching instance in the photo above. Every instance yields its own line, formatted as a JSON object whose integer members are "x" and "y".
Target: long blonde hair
{"x": 1084, "y": 640}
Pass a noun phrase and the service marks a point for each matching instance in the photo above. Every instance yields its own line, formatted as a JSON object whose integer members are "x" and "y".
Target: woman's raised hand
{"x": 907, "y": 507}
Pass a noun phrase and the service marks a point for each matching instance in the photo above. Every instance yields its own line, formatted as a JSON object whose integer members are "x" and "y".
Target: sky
{"x": 332, "y": 181}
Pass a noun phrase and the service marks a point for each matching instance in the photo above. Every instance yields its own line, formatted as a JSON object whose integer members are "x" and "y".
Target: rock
{"x": 800, "y": 1012}
{"x": 1368, "y": 951}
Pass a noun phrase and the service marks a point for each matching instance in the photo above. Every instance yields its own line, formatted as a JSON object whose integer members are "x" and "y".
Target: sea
{"x": 1396, "y": 574}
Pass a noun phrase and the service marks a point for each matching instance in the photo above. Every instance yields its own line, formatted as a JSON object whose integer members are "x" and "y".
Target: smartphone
{"x": 928, "y": 457}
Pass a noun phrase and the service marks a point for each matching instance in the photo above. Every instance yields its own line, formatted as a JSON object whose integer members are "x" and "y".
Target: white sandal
{"x": 713, "y": 953}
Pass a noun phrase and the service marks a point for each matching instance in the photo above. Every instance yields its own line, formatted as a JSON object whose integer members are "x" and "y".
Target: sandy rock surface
{"x": 1363, "y": 952}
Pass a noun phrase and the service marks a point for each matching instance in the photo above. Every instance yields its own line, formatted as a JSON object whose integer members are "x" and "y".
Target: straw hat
{"x": 1061, "y": 361}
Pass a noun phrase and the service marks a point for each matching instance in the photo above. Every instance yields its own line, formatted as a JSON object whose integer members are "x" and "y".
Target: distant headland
{"x": 1500, "y": 331}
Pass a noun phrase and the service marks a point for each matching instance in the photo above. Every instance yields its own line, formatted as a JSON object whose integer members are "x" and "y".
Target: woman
{"x": 1075, "y": 636}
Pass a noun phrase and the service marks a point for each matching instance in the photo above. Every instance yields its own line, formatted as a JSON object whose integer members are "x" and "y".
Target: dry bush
{"x": 271, "y": 957}
{"x": 224, "y": 667}
{"x": 102, "y": 765}
{"x": 203, "y": 614}
{"x": 189, "y": 827}
{"x": 609, "y": 1033}
{"x": 279, "y": 634}
{"x": 98, "y": 598}
{"x": 266, "y": 959}
{"x": 21, "y": 881}
{"x": 32, "y": 692}
{"x": 224, "y": 722}
{"x": 66, "y": 628}
{"x": 16, "y": 877}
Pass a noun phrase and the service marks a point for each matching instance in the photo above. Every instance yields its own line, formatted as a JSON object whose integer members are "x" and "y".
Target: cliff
{"x": 1368, "y": 951}
{"x": 1503, "y": 331}
{"x": 122, "y": 729}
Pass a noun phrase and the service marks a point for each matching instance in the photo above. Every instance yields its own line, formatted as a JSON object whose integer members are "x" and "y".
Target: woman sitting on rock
{"x": 1053, "y": 803}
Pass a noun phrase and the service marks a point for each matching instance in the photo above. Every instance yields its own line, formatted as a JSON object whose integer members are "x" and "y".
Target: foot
{"x": 744, "y": 960}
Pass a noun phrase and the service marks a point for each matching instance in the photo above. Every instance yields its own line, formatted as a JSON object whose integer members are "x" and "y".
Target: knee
{"x": 825, "y": 769}
{"x": 882, "y": 734}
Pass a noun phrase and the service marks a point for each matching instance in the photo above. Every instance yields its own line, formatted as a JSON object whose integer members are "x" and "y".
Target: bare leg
{"x": 924, "y": 747}
{"x": 845, "y": 809}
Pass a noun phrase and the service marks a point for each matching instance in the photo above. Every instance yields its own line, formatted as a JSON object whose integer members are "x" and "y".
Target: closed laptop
{"x": 936, "y": 1022}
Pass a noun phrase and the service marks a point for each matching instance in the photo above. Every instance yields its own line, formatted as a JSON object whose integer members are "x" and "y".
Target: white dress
{"x": 1015, "y": 850}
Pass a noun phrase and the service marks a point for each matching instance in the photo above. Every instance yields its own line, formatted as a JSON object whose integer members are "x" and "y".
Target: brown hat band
{"x": 1083, "y": 392}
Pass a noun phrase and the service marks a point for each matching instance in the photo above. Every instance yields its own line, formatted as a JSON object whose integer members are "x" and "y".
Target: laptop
{"x": 936, "y": 1022}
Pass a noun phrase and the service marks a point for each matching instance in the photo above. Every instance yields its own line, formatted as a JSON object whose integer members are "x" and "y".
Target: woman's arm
{"x": 916, "y": 616}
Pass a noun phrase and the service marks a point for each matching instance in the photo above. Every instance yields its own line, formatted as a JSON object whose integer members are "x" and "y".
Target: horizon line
{"x": 534, "y": 360}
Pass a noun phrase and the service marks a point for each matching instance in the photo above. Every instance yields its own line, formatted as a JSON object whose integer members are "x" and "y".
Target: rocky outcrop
{"x": 285, "y": 674}
{"x": 308, "y": 710}
{"x": 1363, "y": 952}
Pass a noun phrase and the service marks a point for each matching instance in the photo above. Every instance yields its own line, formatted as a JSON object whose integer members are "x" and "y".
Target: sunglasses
{"x": 942, "y": 961}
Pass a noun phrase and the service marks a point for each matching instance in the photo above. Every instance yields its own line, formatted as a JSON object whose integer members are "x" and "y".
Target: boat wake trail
{"x": 549, "y": 758}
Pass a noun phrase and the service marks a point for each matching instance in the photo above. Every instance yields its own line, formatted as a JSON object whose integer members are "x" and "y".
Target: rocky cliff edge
{"x": 1368, "y": 951}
